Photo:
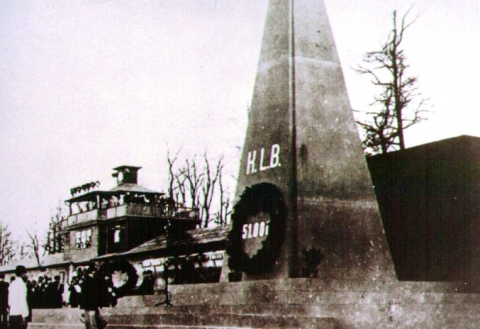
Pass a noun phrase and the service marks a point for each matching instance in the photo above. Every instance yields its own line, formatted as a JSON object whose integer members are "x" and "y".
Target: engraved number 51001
{"x": 255, "y": 230}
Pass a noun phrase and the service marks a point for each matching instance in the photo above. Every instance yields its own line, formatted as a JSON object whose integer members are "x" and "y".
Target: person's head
{"x": 21, "y": 271}
{"x": 56, "y": 277}
{"x": 91, "y": 269}
{"x": 2, "y": 276}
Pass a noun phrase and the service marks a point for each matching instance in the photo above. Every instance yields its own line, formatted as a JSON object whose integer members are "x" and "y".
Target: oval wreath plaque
{"x": 258, "y": 229}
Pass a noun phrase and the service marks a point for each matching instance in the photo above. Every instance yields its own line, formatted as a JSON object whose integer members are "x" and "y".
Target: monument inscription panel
{"x": 263, "y": 163}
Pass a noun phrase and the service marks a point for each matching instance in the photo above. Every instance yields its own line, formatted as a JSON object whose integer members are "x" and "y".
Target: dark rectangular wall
{"x": 428, "y": 199}
{"x": 142, "y": 230}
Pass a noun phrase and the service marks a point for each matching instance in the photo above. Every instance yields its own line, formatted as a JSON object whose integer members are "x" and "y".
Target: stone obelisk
{"x": 304, "y": 204}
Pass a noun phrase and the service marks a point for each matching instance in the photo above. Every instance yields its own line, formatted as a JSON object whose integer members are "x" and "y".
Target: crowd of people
{"x": 94, "y": 286}
{"x": 45, "y": 292}
{"x": 161, "y": 201}
{"x": 91, "y": 288}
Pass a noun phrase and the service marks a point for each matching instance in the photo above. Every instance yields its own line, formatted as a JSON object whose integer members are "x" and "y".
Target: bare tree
{"x": 208, "y": 189}
{"x": 172, "y": 176}
{"x": 196, "y": 184}
{"x": 181, "y": 188}
{"x": 7, "y": 245}
{"x": 24, "y": 251}
{"x": 35, "y": 246}
{"x": 400, "y": 104}
{"x": 54, "y": 240}
{"x": 223, "y": 211}
{"x": 194, "y": 179}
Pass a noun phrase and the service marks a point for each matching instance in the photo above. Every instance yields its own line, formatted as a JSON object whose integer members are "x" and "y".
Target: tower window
{"x": 117, "y": 234}
{"x": 83, "y": 239}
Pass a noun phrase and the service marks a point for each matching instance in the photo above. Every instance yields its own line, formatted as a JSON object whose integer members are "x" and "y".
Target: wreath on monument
{"x": 260, "y": 198}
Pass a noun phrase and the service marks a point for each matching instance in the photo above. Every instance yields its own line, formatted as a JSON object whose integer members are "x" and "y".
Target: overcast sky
{"x": 89, "y": 85}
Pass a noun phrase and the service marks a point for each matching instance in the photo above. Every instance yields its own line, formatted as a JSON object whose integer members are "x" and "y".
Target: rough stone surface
{"x": 57, "y": 318}
{"x": 291, "y": 303}
{"x": 351, "y": 304}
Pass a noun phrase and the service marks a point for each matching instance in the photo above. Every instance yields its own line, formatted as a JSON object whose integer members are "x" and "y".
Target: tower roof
{"x": 128, "y": 187}
{"x": 126, "y": 183}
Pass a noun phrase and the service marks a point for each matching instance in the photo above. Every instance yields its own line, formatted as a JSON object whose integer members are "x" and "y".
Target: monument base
{"x": 291, "y": 303}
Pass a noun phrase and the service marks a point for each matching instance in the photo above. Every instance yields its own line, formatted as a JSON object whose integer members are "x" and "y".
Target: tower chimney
{"x": 126, "y": 174}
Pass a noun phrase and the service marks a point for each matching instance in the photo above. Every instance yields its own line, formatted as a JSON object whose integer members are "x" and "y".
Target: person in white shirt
{"x": 17, "y": 299}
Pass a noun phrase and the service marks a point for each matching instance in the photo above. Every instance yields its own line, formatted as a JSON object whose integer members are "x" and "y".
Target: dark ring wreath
{"x": 125, "y": 267}
{"x": 263, "y": 197}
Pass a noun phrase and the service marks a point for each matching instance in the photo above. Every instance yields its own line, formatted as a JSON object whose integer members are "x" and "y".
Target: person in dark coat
{"x": 42, "y": 295}
{"x": 3, "y": 302}
{"x": 30, "y": 302}
{"x": 106, "y": 295}
{"x": 88, "y": 284}
{"x": 37, "y": 293}
{"x": 48, "y": 292}
{"x": 74, "y": 298}
{"x": 57, "y": 289}
{"x": 32, "y": 290}
{"x": 90, "y": 299}
{"x": 148, "y": 283}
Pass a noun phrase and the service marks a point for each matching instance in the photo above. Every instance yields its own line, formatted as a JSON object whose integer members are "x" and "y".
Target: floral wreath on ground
{"x": 122, "y": 266}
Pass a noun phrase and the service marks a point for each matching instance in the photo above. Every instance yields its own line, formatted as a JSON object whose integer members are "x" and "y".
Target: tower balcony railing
{"x": 134, "y": 210}
{"x": 85, "y": 216}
